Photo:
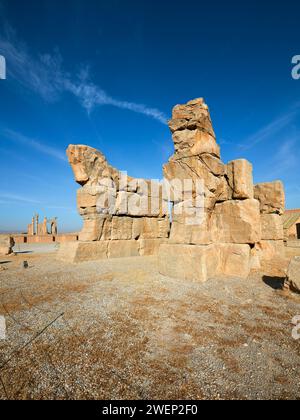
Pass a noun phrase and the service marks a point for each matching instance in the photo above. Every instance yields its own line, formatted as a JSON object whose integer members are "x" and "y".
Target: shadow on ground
{"x": 276, "y": 283}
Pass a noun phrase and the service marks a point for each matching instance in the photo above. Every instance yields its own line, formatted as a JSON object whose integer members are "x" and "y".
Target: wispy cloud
{"x": 286, "y": 157}
{"x": 19, "y": 198}
{"x": 45, "y": 76}
{"x": 34, "y": 144}
{"x": 271, "y": 129}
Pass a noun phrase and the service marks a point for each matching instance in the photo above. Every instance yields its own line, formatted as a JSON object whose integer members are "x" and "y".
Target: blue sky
{"x": 107, "y": 73}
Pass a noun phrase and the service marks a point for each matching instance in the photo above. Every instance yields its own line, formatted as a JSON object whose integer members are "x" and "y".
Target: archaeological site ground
{"x": 186, "y": 288}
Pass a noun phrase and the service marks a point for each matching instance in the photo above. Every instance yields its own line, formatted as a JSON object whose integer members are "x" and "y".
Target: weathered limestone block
{"x": 137, "y": 226}
{"x": 89, "y": 165}
{"x": 240, "y": 179}
{"x": 121, "y": 228}
{"x": 78, "y": 252}
{"x": 191, "y": 225}
{"x": 272, "y": 227}
{"x": 213, "y": 164}
{"x": 123, "y": 249}
{"x": 237, "y": 222}
{"x": 96, "y": 229}
{"x": 191, "y": 174}
{"x": 154, "y": 228}
{"x": 96, "y": 200}
{"x": 188, "y": 262}
{"x": 271, "y": 197}
{"x": 293, "y": 275}
{"x": 139, "y": 205}
{"x": 6, "y": 245}
{"x": 150, "y": 246}
{"x": 235, "y": 260}
{"x": 194, "y": 114}
{"x": 271, "y": 250}
{"x": 195, "y": 142}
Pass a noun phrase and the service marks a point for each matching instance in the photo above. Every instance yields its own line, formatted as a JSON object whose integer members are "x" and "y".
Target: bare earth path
{"x": 118, "y": 330}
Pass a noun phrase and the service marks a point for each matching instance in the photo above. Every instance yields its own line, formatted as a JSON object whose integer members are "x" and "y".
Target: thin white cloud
{"x": 286, "y": 158}
{"x": 270, "y": 129}
{"x": 8, "y": 197}
{"x": 35, "y": 144}
{"x": 45, "y": 76}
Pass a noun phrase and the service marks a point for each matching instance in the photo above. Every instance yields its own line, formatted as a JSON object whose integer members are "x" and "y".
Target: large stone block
{"x": 272, "y": 227}
{"x": 96, "y": 229}
{"x": 150, "y": 246}
{"x": 234, "y": 261}
{"x": 155, "y": 228}
{"x": 271, "y": 250}
{"x": 123, "y": 249}
{"x": 192, "y": 174}
{"x": 194, "y": 114}
{"x": 237, "y": 222}
{"x": 78, "y": 252}
{"x": 6, "y": 244}
{"x": 293, "y": 274}
{"x": 196, "y": 142}
{"x": 271, "y": 197}
{"x": 121, "y": 228}
{"x": 240, "y": 179}
{"x": 191, "y": 228}
{"x": 188, "y": 262}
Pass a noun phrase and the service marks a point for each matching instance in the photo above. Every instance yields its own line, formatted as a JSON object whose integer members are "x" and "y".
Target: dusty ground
{"x": 118, "y": 330}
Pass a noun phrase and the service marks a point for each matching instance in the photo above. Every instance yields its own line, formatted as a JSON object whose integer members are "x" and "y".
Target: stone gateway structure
{"x": 219, "y": 224}
{"x": 122, "y": 216}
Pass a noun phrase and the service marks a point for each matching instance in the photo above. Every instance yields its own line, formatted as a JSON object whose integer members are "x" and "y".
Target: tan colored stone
{"x": 138, "y": 205}
{"x": 6, "y": 245}
{"x": 240, "y": 179}
{"x": 293, "y": 274}
{"x": 271, "y": 250}
{"x": 237, "y": 222}
{"x": 89, "y": 165}
{"x": 188, "y": 262}
{"x": 190, "y": 226}
{"x": 213, "y": 164}
{"x": 271, "y": 197}
{"x": 78, "y": 252}
{"x": 150, "y": 246}
{"x": 272, "y": 227}
{"x": 96, "y": 229}
{"x": 196, "y": 142}
{"x": 235, "y": 260}
{"x": 121, "y": 228}
{"x": 154, "y": 228}
{"x": 101, "y": 198}
{"x": 123, "y": 249}
{"x": 255, "y": 263}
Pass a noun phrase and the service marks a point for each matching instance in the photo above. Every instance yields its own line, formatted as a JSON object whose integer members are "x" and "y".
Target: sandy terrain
{"x": 118, "y": 330}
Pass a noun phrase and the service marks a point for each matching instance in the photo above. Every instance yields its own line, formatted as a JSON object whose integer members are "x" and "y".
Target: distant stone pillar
{"x": 30, "y": 230}
{"x": 37, "y": 227}
{"x": 44, "y": 227}
{"x": 54, "y": 227}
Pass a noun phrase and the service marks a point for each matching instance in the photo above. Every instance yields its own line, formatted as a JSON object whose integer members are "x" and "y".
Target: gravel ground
{"x": 118, "y": 330}
{"x": 35, "y": 248}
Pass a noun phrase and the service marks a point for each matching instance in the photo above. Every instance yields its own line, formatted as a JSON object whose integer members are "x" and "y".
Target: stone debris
{"x": 293, "y": 275}
{"x": 6, "y": 245}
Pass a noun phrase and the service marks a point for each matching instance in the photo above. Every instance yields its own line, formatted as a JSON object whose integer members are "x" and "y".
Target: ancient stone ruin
{"x": 122, "y": 216}
{"x": 6, "y": 245}
{"x": 47, "y": 227}
{"x": 242, "y": 223}
{"x": 220, "y": 223}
